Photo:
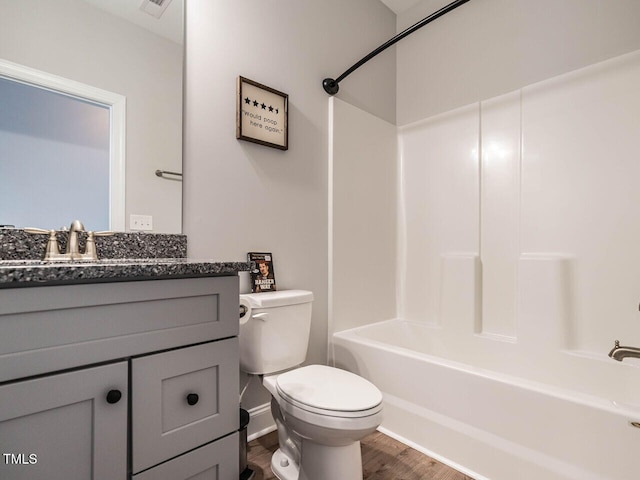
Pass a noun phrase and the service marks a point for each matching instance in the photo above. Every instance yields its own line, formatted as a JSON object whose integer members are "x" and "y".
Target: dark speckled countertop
{"x": 30, "y": 273}
{"x": 124, "y": 257}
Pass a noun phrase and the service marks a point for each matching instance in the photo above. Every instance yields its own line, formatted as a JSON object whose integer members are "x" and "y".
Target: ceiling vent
{"x": 154, "y": 7}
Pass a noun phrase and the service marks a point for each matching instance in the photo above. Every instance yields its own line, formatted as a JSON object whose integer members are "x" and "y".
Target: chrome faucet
{"x": 52, "y": 252}
{"x": 620, "y": 353}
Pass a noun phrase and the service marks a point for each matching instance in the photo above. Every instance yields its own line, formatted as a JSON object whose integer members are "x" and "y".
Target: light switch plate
{"x": 141, "y": 222}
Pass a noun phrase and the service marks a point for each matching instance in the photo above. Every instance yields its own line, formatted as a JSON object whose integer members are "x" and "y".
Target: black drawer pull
{"x": 114, "y": 396}
{"x": 192, "y": 398}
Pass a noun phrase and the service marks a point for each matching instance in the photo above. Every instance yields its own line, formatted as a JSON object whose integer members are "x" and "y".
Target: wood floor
{"x": 383, "y": 458}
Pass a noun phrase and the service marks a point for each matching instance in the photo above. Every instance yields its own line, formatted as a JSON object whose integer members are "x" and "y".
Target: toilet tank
{"x": 274, "y": 331}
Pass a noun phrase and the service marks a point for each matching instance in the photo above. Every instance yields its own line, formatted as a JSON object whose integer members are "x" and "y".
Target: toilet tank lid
{"x": 277, "y": 299}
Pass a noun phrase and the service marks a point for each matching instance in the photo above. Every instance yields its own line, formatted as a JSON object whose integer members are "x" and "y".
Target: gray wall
{"x": 241, "y": 197}
{"x": 490, "y": 47}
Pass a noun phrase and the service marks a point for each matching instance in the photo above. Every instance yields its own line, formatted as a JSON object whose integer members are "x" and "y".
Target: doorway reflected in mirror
{"x": 54, "y": 158}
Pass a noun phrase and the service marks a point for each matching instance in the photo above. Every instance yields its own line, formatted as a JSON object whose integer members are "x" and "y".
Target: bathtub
{"x": 484, "y": 409}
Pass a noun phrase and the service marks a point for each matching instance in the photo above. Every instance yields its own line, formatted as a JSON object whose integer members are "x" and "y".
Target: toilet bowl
{"x": 325, "y": 411}
{"x": 321, "y": 412}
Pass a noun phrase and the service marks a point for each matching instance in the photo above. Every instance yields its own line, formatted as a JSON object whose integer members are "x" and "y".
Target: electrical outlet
{"x": 141, "y": 222}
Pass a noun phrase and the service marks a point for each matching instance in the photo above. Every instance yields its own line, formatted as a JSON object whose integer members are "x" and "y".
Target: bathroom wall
{"x": 241, "y": 197}
{"x": 491, "y": 47}
{"x": 121, "y": 58}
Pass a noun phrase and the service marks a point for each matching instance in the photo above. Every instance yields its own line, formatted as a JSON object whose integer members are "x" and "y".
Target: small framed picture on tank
{"x": 262, "y": 114}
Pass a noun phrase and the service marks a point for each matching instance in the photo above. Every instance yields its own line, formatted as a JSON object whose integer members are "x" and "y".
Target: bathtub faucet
{"x": 620, "y": 353}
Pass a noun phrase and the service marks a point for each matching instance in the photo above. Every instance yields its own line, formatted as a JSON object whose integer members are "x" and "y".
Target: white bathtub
{"x": 506, "y": 419}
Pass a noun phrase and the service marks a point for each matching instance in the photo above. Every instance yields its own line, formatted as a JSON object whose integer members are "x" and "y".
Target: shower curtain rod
{"x": 331, "y": 86}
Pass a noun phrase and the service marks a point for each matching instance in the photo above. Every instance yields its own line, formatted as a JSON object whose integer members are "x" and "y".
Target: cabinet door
{"x": 63, "y": 427}
{"x": 182, "y": 399}
{"x": 214, "y": 461}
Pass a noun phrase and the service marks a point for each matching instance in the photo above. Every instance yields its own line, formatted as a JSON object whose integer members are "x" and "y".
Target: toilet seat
{"x": 328, "y": 391}
{"x": 329, "y": 420}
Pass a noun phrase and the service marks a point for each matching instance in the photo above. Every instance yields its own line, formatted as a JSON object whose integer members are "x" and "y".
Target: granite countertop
{"x": 124, "y": 256}
{"x": 17, "y": 244}
{"x": 30, "y": 273}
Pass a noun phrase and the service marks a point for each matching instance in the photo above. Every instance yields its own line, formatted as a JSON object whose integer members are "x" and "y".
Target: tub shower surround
{"x": 122, "y": 256}
{"x": 517, "y": 268}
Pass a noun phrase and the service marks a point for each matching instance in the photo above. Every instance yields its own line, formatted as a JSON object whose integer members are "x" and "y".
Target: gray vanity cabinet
{"x": 115, "y": 381}
{"x": 66, "y": 426}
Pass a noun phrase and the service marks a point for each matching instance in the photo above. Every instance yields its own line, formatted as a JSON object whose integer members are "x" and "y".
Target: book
{"x": 263, "y": 277}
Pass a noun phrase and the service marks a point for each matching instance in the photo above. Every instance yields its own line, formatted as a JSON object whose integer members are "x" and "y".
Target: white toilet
{"x": 321, "y": 412}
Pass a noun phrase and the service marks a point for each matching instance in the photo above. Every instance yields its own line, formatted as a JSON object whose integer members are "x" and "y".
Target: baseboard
{"x": 261, "y": 422}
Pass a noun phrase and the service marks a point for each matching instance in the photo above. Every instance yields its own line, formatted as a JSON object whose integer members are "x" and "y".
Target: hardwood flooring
{"x": 383, "y": 458}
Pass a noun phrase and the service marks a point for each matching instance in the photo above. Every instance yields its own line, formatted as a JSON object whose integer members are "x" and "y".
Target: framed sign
{"x": 261, "y": 114}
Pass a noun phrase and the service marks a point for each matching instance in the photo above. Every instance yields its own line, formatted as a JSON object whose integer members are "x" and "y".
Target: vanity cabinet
{"x": 126, "y": 380}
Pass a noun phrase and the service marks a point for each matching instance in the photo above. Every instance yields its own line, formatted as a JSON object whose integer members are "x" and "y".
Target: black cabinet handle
{"x": 192, "y": 398}
{"x": 114, "y": 396}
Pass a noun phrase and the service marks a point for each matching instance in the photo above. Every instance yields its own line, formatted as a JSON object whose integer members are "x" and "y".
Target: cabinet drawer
{"x": 183, "y": 399}
{"x": 95, "y": 323}
{"x": 214, "y": 461}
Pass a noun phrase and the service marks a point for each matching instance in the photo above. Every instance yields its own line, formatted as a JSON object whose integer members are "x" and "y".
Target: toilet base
{"x": 283, "y": 467}
{"x": 320, "y": 462}
{"x": 324, "y": 462}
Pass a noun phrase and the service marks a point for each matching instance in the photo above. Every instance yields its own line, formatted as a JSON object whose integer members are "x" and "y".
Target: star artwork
{"x": 256, "y": 103}
{"x": 262, "y": 115}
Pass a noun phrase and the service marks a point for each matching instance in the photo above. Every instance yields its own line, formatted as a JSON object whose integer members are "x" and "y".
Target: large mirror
{"x": 123, "y": 49}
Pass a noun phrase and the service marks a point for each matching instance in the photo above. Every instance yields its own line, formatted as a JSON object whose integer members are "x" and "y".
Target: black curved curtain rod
{"x": 331, "y": 86}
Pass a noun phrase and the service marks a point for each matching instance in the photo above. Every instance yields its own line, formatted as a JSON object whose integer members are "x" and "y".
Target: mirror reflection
{"x": 52, "y": 141}
{"x": 123, "y": 51}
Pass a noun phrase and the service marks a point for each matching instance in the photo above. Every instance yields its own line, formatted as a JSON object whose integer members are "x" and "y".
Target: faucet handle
{"x": 53, "y": 250}
{"x": 90, "y": 252}
{"x": 38, "y": 231}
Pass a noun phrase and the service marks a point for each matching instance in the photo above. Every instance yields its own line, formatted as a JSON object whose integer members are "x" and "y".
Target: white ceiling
{"x": 168, "y": 26}
{"x": 399, "y": 6}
